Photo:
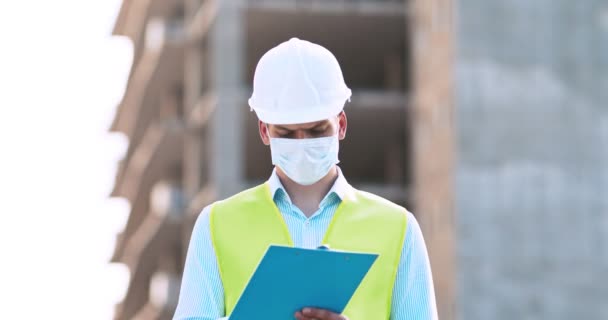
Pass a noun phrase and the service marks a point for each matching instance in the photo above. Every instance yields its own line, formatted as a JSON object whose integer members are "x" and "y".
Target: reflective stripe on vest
{"x": 243, "y": 226}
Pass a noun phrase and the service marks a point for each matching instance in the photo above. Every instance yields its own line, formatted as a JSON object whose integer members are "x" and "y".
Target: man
{"x": 299, "y": 95}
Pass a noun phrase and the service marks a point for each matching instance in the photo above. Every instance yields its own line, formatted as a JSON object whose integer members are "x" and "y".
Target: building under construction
{"x": 193, "y": 139}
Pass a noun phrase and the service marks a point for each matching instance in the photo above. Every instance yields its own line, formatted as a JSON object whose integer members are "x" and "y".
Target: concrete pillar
{"x": 226, "y": 127}
{"x": 431, "y": 35}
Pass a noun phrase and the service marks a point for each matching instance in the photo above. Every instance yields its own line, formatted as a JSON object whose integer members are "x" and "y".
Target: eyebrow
{"x": 321, "y": 124}
{"x": 280, "y": 128}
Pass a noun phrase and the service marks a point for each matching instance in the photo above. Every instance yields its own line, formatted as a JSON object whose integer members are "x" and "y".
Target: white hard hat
{"x": 298, "y": 82}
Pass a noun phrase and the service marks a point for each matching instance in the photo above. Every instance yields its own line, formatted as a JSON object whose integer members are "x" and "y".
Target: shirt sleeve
{"x": 413, "y": 294}
{"x": 201, "y": 295}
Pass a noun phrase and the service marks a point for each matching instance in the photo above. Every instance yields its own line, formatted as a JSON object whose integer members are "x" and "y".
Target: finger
{"x": 300, "y": 316}
{"x": 321, "y": 314}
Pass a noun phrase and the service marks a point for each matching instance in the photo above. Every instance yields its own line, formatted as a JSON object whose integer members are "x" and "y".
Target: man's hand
{"x": 318, "y": 314}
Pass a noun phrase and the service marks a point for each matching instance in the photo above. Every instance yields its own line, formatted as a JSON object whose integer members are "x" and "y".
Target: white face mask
{"x": 305, "y": 161}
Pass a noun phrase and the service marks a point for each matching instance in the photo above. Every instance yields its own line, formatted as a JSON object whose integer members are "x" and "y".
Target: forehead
{"x": 302, "y": 126}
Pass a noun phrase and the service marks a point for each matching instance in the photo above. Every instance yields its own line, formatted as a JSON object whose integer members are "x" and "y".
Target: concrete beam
{"x": 202, "y": 21}
{"x": 378, "y": 99}
{"x": 387, "y": 8}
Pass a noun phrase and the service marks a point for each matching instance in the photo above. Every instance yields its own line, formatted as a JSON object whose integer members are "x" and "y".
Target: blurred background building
{"x": 529, "y": 131}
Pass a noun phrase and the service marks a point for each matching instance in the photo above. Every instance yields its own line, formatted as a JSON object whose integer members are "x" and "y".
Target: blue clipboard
{"x": 289, "y": 279}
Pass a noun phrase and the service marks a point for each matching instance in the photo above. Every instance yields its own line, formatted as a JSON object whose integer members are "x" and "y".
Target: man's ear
{"x": 343, "y": 123}
{"x": 264, "y": 134}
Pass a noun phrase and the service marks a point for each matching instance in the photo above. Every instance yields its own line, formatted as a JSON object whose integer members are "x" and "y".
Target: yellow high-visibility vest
{"x": 244, "y": 225}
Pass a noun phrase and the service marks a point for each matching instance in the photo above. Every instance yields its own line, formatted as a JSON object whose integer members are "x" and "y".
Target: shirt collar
{"x": 341, "y": 187}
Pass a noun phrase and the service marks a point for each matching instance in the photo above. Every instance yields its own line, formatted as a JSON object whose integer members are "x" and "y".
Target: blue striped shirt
{"x": 202, "y": 294}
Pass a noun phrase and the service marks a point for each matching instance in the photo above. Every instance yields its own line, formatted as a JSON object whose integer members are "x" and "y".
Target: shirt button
{"x": 307, "y": 223}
